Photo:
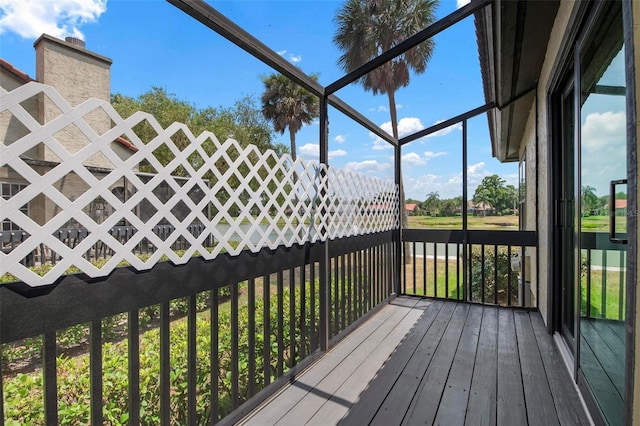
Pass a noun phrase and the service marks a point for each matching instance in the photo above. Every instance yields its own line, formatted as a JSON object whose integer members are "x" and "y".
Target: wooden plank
{"x": 608, "y": 331}
{"x": 456, "y": 392}
{"x": 412, "y": 366}
{"x": 370, "y": 400}
{"x": 540, "y": 406}
{"x": 363, "y": 375}
{"x": 343, "y": 373}
{"x": 510, "y": 409}
{"x": 424, "y": 405}
{"x": 619, "y": 329}
{"x": 278, "y": 405}
{"x": 608, "y": 397}
{"x": 481, "y": 408}
{"x": 563, "y": 391}
{"x": 612, "y": 364}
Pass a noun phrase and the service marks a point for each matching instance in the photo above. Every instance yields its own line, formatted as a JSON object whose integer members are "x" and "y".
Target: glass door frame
{"x": 582, "y": 24}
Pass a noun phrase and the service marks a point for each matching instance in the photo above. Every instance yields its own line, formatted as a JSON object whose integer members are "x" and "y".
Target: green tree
{"x": 589, "y": 200}
{"x": 432, "y": 203}
{"x": 494, "y": 193}
{"x": 243, "y": 121}
{"x": 451, "y": 206}
{"x": 288, "y": 106}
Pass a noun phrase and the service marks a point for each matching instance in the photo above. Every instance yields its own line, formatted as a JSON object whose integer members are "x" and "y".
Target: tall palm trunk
{"x": 405, "y": 216}
{"x": 292, "y": 138}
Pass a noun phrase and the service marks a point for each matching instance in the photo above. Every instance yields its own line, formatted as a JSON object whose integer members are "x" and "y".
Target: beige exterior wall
{"x": 535, "y": 145}
{"x": 528, "y": 152}
{"x": 12, "y": 129}
{"x": 77, "y": 74}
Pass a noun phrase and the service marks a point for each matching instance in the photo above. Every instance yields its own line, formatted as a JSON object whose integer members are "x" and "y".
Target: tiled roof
{"x": 127, "y": 144}
{"x": 15, "y": 71}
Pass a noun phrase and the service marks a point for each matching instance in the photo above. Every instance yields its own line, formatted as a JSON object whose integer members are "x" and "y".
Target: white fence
{"x": 279, "y": 202}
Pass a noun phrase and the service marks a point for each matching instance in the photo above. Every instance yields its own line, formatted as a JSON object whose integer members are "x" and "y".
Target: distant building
{"x": 77, "y": 74}
{"x": 480, "y": 209}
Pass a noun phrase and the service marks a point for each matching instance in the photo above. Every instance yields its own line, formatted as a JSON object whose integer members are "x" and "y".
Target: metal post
{"x": 465, "y": 233}
{"x": 398, "y": 237}
{"x": 324, "y": 260}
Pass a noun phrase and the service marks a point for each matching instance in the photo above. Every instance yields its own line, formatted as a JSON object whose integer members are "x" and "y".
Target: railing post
{"x": 466, "y": 256}
{"x": 324, "y": 260}
{"x": 398, "y": 237}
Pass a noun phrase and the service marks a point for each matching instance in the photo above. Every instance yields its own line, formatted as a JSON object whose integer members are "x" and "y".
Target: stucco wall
{"x": 536, "y": 144}
{"x": 12, "y": 129}
{"x": 77, "y": 74}
{"x": 528, "y": 151}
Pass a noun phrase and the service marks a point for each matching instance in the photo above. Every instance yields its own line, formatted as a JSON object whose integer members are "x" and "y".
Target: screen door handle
{"x": 612, "y": 211}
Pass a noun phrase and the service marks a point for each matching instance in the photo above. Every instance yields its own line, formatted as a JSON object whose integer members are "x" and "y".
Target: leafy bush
{"x": 502, "y": 286}
{"x": 24, "y": 391}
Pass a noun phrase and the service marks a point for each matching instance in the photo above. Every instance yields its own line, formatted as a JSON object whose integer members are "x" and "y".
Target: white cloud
{"x": 430, "y": 154}
{"x": 312, "y": 150}
{"x": 604, "y": 138}
{"x": 600, "y": 130}
{"x": 413, "y": 159}
{"x": 340, "y": 138}
{"x": 380, "y": 144}
{"x": 309, "y": 150}
{"x": 367, "y": 166}
{"x": 337, "y": 153}
{"x": 406, "y": 126}
{"x": 60, "y": 18}
{"x": 445, "y": 131}
{"x": 380, "y": 108}
{"x": 460, "y": 3}
{"x": 291, "y": 57}
{"x": 477, "y": 168}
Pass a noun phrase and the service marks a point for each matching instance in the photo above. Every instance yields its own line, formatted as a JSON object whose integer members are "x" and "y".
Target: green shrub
{"x": 23, "y": 392}
{"x": 503, "y": 286}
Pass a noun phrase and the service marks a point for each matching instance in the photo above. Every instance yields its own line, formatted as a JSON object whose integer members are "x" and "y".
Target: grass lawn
{"x": 414, "y": 278}
{"x": 609, "y": 307}
{"x": 455, "y": 222}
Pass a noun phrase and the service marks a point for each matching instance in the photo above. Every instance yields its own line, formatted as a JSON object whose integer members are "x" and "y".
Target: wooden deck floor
{"x": 433, "y": 362}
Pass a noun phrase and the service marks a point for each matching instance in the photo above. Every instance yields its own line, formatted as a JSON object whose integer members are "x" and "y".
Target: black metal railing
{"x": 187, "y": 344}
{"x": 603, "y": 276}
{"x": 480, "y": 266}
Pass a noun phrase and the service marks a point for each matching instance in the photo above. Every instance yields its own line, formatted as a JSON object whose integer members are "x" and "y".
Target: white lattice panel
{"x": 278, "y": 201}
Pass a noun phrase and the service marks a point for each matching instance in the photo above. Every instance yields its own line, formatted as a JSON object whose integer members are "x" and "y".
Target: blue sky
{"x": 152, "y": 43}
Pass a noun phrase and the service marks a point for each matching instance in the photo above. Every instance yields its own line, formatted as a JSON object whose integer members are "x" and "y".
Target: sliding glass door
{"x": 601, "y": 256}
{"x": 590, "y": 173}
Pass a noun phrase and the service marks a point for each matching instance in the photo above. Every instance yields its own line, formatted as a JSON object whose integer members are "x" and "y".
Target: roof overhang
{"x": 512, "y": 42}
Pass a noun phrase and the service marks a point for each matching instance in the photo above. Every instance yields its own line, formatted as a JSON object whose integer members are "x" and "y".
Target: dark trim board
{"x": 78, "y": 299}
{"x": 436, "y": 362}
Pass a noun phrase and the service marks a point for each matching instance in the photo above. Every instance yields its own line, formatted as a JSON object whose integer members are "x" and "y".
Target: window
{"x": 8, "y": 191}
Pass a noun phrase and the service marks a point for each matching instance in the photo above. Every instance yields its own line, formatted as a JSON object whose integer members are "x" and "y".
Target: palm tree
{"x": 367, "y": 28}
{"x": 288, "y": 106}
{"x": 432, "y": 203}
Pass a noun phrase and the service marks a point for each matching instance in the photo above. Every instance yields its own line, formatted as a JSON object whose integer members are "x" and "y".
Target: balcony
{"x": 318, "y": 308}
